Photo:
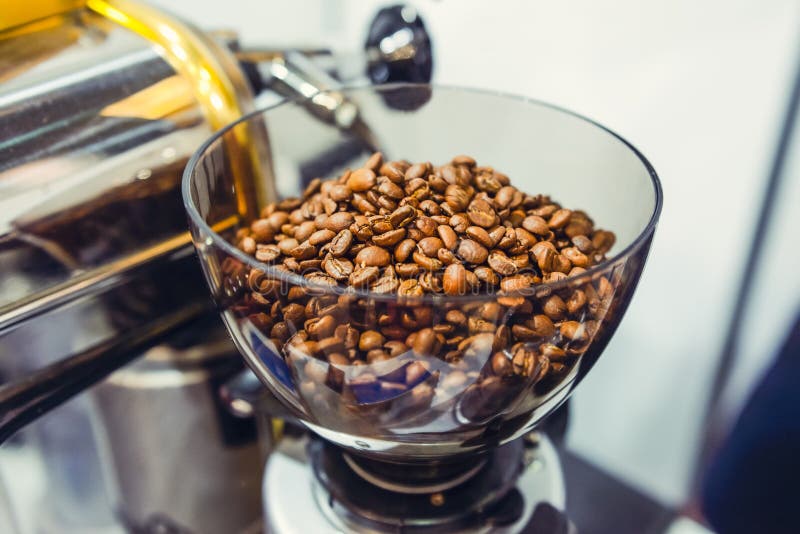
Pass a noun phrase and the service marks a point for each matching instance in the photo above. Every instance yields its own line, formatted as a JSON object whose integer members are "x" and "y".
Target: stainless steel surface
{"x": 96, "y": 125}
{"x": 176, "y": 458}
{"x": 295, "y": 502}
{"x": 95, "y": 134}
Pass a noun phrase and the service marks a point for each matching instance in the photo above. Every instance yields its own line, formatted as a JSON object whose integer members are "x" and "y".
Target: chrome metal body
{"x": 96, "y": 128}
{"x": 176, "y": 457}
{"x": 294, "y": 501}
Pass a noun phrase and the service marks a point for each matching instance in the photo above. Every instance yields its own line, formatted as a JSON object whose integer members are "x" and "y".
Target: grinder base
{"x": 326, "y": 490}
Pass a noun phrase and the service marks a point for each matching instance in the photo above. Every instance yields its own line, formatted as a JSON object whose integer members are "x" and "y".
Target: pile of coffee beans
{"x": 392, "y": 228}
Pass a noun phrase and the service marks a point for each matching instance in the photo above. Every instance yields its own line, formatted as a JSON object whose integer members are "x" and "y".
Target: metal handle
{"x": 27, "y": 399}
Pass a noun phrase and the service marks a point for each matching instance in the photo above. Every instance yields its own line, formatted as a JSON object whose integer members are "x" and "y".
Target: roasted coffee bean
{"x": 363, "y": 205}
{"x": 280, "y": 331}
{"x": 304, "y": 230}
{"x": 395, "y": 348}
{"x": 446, "y": 257}
{"x": 535, "y": 225}
{"x": 380, "y": 224}
{"x": 583, "y": 244}
{"x": 463, "y": 160}
{"x": 448, "y": 236}
{"x": 338, "y": 221}
{"x": 573, "y": 331}
{"x": 320, "y": 237}
{"x": 309, "y": 266}
{"x": 480, "y": 235}
{"x": 373, "y": 256}
{"x": 559, "y": 219}
{"x": 248, "y": 245}
{"x": 404, "y": 249}
{"x": 459, "y": 222}
{"x": 415, "y": 234}
{"x": 490, "y": 311}
{"x": 472, "y": 252}
{"x": 262, "y": 230}
{"x": 578, "y": 226}
{"x": 338, "y": 268}
{"x": 544, "y": 211}
{"x": 390, "y": 238}
{"x": 330, "y": 346}
{"x": 540, "y": 249}
{"x": 410, "y": 288}
{"x": 430, "y": 246}
{"x": 604, "y": 288}
{"x": 575, "y": 256}
{"x": 303, "y": 251}
{"x": 294, "y": 314}
{"x": 361, "y": 180}
{"x": 487, "y": 182}
{"x": 501, "y": 263}
{"x": 497, "y": 234}
{"x": 456, "y": 317}
{"x": 374, "y": 162}
{"x": 603, "y": 241}
{"x": 516, "y": 283}
{"x": 320, "y": 328}
{"x": 320, "y": 278}
{"x": 427, "y": 263}
{"x": 455, "y": 279}
{"x": 407, "y": 270}
{"x": 340, "y": 193}
{"x": 417, "y": 188}
{"x": 576, "y": 301}
{"x": 277, "y": 219}
{"x": 402, "y": 216}
{"x": 341, "y": 243}
{"x": 481, "y": 213}
{"x": 457, "y": 197}
{"x": 554, "y": 307}
{"x": 444, "y": 329}
{"x": 418, "y": 170}
{"x": 502, "y": 337}
{"x": 267, "y": 253}
{"x": 542, "y": 326}
{"x": 525, "y": 361}
{"x": 364, "y": 275}
{"x": 287, "y": 245}
{"x": 393, "y": 171}
{"x": 501, "y": 365}
{"x": 508, "y": 240}
{"x": 426, "y": 225}
{"x": 427, "y": 342}
{"x": 504, "y": 196}
{"x": 387, "y": 283}
{"x": 430, "y": 282}
{"x": 312, "y": 187}
{"x": 370, "y": 340}
{"x": 375, "y": 356}
{"x": 389, "y": 188}
{"x": 487, "y": 276}
{"x": 553, "y": 352}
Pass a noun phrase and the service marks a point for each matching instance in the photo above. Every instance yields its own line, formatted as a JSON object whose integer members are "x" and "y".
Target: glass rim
{"x": 428, "y": 298}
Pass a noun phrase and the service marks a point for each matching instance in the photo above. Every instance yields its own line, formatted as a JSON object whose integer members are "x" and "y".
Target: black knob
{"x": 398, "y": 47}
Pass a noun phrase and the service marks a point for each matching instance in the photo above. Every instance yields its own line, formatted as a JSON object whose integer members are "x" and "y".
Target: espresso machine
{"x": 105, "y": 315}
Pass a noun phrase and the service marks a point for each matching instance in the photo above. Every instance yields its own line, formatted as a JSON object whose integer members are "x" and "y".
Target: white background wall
{"x": 700, "y": 88}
